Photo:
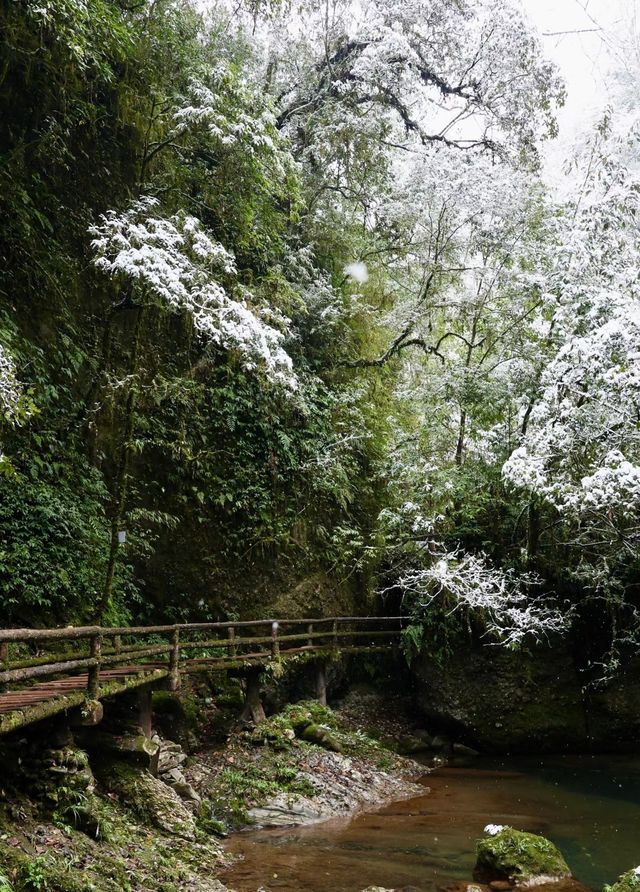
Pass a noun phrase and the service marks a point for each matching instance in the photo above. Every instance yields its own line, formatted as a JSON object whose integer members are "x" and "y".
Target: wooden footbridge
{"x": 85, "y": 665}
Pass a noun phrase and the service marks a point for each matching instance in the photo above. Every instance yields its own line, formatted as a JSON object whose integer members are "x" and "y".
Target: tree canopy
{"x": 284, "y": 296}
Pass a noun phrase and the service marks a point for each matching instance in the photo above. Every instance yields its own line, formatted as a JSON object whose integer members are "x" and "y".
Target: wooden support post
{"x": 310, "y": 634}
{"x": 117, "y": 644}
{"x": 335, "y": 634}
{"x": 253, "y": 709}
{"x": 275, "y": 644}
{"x": 145, "y": 711}
{"x": 174, "y": 660}
{"x": 233, "y": 649}
{"x": 4, "y": 653}
{"x": 94, "y": 671}
{"x": 321, "y": 682}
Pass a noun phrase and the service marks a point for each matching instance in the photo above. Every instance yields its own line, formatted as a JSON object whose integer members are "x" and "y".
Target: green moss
{"x": 310, "y": 722}
{"x": 321, "y": 737}
{"x": 251, "y": 783}
{"x": 519, "y": 856}
{"x": 42, "y": 872}
{"x": 626, "y": 882}
{"x": 149, "y": 799}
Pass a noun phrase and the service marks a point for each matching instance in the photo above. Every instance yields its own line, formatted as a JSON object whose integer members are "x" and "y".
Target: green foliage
{"x": 169, "y": 440}
{"x": 626, "y": 882}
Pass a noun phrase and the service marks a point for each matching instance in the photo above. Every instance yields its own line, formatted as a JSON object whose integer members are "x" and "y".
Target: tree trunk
{"x": 122, "y": 475}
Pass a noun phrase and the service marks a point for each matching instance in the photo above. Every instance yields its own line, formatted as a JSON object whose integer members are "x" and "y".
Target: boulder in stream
{"x": 519, "y": 856}
{"x": 626, "y": 882}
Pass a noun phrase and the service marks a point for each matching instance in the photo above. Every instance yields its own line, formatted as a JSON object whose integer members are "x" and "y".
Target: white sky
{"x": 584, "y": 58}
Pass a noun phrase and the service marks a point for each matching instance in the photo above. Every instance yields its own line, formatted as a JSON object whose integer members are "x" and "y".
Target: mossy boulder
{"x": 321, "y": 736}
{"x": 307, "y": 720}
{"x": 151, "y": 799}
{"x": 627, "y": 882}
{"x": 519, "y": 856}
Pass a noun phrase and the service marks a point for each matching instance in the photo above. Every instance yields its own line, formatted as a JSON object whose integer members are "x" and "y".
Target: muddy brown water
{"x": 589, "y": 806}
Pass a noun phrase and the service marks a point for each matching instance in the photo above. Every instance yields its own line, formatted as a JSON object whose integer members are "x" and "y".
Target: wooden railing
{"x": 190, "y": 647}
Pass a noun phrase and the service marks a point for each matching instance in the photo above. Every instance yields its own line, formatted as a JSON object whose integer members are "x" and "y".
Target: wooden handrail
{"x": 317, "y": 634}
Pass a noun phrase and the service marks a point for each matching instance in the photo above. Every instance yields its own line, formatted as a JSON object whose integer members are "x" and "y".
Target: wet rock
{"x": 377, "y": 889}
{"x": 518, "y": 856}
{"x": 552, "y": 884}
{"x": 344, "y": 786}
{"x": 467, "y": 887}
{"x": 283, "y": 811}
{"x": 500, "y": 885}
{"x": 440, "y": 742}
{"x": 410, "y": 744}
{"x": 462, "y": 750}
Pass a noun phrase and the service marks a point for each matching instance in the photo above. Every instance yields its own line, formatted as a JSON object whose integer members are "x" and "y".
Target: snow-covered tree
{"x": 13, "y": 408}
{"x": 467, "y": 74}
{"x": 10, "y": 389}
{"x": 580, "y": 450}
{"x": 501, "y": 600}
{"x": 175, "y": 263}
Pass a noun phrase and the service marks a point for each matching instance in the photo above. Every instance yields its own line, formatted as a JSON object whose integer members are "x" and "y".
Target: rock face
{"x": 501, "y": 701}
{"x": 519, "y": 856}
{"x": 171, "y": 760}
{"x": 343, "y": 786}
{"x": 150, "y": 798}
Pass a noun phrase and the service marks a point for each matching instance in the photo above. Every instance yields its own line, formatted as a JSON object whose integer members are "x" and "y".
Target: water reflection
{"x": 588, "y": 805}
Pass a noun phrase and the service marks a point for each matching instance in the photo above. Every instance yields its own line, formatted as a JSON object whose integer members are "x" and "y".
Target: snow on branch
{"x": 175, "y": 262}
{"x": 12, "y": 408}
{"x": 10, "y": 388}
{"x": 462, "y": 581}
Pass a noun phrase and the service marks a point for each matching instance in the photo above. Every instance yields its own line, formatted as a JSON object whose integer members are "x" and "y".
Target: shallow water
{"x": 588, "y": 805}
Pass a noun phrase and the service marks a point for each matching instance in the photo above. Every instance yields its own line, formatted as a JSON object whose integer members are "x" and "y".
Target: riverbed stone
{"x": 519, "y": 856}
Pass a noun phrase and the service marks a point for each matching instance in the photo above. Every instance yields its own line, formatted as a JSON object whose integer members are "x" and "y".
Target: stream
{"x": 588, "y": 805}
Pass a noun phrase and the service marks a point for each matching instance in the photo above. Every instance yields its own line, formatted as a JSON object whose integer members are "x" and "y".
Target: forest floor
{"x": 72, "y": 822}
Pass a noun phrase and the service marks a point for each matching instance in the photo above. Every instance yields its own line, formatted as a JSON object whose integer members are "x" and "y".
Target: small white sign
{"x": 122, "y": 536}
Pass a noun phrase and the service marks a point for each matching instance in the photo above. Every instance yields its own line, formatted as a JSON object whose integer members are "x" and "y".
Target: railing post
{"x": 94, "y": 671}
{"x": 174, "y": 660}
{"x": 310, "y": 634}
{"x": 4, "y": 653}
{"x": 335, "y": 634}
{"x": 117, "y": 644}
{"x": 233, "y": 648}
{"x": 275, "y": 644}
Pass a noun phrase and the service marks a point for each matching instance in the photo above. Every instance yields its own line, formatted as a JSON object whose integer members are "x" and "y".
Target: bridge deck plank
{"x": 10, "y": 701}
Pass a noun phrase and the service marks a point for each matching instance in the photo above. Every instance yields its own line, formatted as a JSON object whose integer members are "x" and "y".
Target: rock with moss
{"x": 307, "y": 720}
{"x": 626, "y": 882}
{"x": 321, "y": 736}
{"x": 518, "y": 856}
{"x": 150, "y": 798}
